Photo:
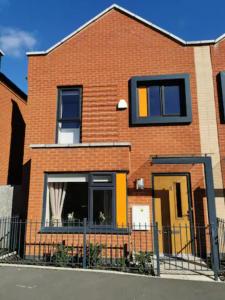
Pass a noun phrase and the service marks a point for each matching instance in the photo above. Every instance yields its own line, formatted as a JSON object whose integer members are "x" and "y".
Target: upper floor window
{"x": 69, "y": 116}
{"x": 161, "y": 99}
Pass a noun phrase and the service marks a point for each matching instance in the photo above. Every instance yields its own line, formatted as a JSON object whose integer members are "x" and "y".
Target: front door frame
{"x": 190, "y": 206}
{"x": 210, "y": 193}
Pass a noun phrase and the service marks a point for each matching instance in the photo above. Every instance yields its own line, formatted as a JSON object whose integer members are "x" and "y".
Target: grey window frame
{"x": 91, "y": 205}
{"x": 91, "y": 187}
{"x": 162, "y": 119}
{"x": 102, "y": 184}
{"x": 59, "y": 105}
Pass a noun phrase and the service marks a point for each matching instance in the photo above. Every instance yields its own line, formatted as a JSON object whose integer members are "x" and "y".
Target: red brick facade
{"x": 12, "y": 130}
{"x": 102, "y": 58}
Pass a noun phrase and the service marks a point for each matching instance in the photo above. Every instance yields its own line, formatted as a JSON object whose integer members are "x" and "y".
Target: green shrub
{"x": 144, "y": 262}
{"x": 94, "y": 254}
{"x": 60, "y": 257}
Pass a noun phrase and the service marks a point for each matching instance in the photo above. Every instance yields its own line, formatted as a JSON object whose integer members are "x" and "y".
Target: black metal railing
{"x": 146, "y": 249}
{"x": 126, "y": 249}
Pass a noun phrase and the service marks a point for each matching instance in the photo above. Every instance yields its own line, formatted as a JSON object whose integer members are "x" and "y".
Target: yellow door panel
{"x": 172, "y": 214}
{"x": 121, "y": 199}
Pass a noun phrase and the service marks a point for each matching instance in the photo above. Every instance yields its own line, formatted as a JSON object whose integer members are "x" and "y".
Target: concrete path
{"x": 32, "y": 283}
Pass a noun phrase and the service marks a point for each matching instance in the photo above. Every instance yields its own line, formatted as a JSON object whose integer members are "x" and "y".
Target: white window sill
{"x": 82, "y": 145}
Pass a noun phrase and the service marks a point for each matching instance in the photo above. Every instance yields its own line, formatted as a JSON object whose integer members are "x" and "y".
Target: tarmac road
{"x": 19, "y": 283}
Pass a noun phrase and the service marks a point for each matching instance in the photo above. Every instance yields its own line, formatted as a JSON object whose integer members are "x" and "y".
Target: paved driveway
{"x": 30, "y": 283}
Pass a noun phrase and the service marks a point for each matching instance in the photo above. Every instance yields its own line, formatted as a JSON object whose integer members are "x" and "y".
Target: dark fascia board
{"x": 135, "y": 120}
{"x": 222, "y": 89}
{"x": 13, "y": 87}
{"x": 168, "y": 160}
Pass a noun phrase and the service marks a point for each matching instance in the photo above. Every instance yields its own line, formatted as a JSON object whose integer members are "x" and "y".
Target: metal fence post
{"x": 85, "y": 244}
{"x": 215, "y": 250}
{"x": 156, "y": 248}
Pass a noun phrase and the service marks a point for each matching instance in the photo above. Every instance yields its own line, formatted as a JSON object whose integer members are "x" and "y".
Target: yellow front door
{"x": 172, "y": 214}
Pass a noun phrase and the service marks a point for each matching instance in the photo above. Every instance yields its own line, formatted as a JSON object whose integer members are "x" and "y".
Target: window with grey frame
{"x": 102, "y": 200}
{"x": 71, "y": 198}
{"x": 69, "y": 116}
{"x": 162, "y": 99}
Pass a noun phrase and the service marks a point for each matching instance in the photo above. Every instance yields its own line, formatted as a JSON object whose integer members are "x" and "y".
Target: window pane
{"x": 102, "y": 207}
{"x": 70, "y": 104}
{"x": 69, "y": 133}
{"x": 75, "y": 207}
{"x": 154, "y": 98}
{"x": 74, "y": 199}
{"x": 179, "y": 200}
{"x": 172, "y": 100}
{"x": 65, "y": 125}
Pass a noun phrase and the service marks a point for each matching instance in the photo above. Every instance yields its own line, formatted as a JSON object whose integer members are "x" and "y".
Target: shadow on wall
{"x": 220, "y": 99}
{"x": 21, "y": 194}
{"x": 16, "y": 147}
{"x": 199, "y": 220}
{"x": 18, "y": 174}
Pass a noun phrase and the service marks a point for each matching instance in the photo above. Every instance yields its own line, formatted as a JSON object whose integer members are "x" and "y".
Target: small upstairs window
{"x": 69, "y": 116}
{"x": 160, "y": 99}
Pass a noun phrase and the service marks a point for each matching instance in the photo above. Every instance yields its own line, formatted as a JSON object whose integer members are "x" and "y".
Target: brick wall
{"x": 102, "y": 58}
{"x": 67, "y": 160}
{"x": 12, "y": 113}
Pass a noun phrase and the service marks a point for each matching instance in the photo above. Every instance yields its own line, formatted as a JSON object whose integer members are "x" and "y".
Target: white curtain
{"x": 57, "y": 197}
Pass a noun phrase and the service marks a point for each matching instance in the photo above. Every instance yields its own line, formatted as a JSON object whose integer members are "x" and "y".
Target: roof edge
{"x": 113, "y": 6}
{"x": 203, "y": 42}
{"x": 129, "y": 13}
{"x": 13, "y": 86}
{"x": 220, "y": 38}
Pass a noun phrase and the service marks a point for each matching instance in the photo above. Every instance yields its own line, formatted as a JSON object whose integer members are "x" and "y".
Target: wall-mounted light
{"x": 122, "y": 104}
{"x": 140, "y": 184}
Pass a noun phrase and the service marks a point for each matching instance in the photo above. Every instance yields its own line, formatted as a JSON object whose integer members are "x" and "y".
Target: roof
{"x": 134, "y": 16}
{"x": 12, "y": 86}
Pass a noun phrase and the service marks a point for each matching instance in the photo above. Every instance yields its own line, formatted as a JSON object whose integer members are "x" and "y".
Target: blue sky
{"x": 38, "y": 24}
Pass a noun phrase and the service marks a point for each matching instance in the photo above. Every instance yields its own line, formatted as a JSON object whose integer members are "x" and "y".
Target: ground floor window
{"x": 71, "y": 198}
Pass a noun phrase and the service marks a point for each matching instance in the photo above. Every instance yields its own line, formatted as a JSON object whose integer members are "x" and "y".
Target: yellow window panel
{"x": 143, "y": 101}
{"x": 121, "y": 200}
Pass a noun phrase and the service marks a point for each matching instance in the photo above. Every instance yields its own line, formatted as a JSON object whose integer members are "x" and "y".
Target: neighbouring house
{"x": 13, "y": 104}
{"x": 124, "y": 131}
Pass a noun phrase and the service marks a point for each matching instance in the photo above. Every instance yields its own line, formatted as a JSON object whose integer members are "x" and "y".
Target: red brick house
{"x": 13, "y": 103}
{"x": 123, "y": 130}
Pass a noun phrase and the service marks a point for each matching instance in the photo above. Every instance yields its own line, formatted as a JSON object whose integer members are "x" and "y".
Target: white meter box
{"x": 140, "y": 217}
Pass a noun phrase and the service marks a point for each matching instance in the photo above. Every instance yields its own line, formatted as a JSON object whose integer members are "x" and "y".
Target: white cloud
{"x": 16, "y": 42}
